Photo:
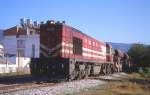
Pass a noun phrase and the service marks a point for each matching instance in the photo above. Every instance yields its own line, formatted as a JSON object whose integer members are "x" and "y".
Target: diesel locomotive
{"x": 68, "y": 53}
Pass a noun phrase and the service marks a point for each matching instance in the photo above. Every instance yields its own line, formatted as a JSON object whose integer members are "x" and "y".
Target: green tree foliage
{"x": 140, "y": 54}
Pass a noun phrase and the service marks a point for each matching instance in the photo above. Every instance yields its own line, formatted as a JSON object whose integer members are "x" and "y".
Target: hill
{"x": 1, "y": 34}
{"x": 122, "y": 46}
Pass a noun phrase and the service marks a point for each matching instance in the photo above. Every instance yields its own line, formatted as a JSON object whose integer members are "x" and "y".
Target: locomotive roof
{"x": 83, "y": 33}
{"x": 76, "y": 30}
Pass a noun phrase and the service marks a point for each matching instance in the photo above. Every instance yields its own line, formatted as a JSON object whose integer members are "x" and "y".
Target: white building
{"x": 3, "y": 61}
{"x": 21, "y": 43}
{"x": 1, "y": 50}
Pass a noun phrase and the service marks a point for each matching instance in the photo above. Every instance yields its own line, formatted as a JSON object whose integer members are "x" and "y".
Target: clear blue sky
{"x": 126, "y": 21}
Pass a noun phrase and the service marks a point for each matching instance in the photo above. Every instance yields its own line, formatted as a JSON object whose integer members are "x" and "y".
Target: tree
{"x": 140, "y": 54}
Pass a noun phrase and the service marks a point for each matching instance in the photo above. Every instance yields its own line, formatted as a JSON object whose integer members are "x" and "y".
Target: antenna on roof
{"x": 29, "y": 22}
{"x": 22, "y": 22}
{"x": 35, "y": 24}
{"x": 63, "y": 22}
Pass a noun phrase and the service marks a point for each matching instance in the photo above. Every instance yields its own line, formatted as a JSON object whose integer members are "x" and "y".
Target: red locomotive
{"x": 66, "y": 52}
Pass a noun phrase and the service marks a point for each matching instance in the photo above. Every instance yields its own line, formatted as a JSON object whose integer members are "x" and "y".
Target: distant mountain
{"x": 1, "y": 34}
{"x": 122, "y": 46}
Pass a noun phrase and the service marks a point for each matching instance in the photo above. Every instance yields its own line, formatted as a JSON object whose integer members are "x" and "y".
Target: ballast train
{"x": 66, "y": 52}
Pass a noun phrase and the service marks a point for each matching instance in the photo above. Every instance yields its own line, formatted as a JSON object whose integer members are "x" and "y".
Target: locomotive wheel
{"x": 109, "y": 69}
{"x": 79, "y": 75}
{"x": 104, "y": 70}
{"x": 83, "y": 73}
{"x": 76, "y": 75}
{"x": 101, "y": 71}
{"x": 86, "y": 73}
{"x": 72, "y": 76}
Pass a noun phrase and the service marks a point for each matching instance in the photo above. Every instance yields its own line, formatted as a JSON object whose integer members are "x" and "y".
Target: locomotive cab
{"x": 109, "y": 56}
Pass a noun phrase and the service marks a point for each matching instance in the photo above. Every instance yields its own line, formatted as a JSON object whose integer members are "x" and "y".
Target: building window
{"x": 20, "y": 43}
{"x": 107, "y": 50}
{"x": 31, "y": 32}
{"x": 21, "y": 53}
{"x": 33, "y": 50}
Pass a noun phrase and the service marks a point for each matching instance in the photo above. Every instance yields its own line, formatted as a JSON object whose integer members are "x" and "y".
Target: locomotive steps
{"x": 66, "y": 87}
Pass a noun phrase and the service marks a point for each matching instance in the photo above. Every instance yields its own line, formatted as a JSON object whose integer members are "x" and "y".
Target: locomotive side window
{"x": 93, "y": 43}
{"x": 77, "y": 46}
{"x": 90, "y": 42}
{"x": 85, "y": 40}
{"x": 96, "y": 45}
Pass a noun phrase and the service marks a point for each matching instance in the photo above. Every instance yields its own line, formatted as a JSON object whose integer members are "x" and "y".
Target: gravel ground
{"x": 67, "y": 87}
{"x": 116, "y": 76}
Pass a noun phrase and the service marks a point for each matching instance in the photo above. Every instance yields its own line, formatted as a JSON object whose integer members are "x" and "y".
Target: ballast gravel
{"x": 68, "y": 87}
{"x": 62, "y": 88}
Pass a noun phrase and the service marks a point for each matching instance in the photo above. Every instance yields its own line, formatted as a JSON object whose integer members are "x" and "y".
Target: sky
{"x": 122, "y": 21}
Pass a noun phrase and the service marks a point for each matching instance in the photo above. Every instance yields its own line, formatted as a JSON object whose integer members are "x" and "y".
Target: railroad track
{"x": 10, "y": 84}
{"x": 23, "y": 86}
{"x": 33, "y": 84}
{"x": 28, "y": 85}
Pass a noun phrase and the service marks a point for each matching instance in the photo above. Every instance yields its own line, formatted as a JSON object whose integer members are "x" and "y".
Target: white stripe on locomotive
{"x": 86, "y": 51}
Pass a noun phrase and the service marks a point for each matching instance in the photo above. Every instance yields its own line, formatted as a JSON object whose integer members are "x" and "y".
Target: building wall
{"x": 29, "y": 42}
{"x": 4, "y": 68}
{"x": 22, "y": 52}
{"x": 6, "y": 65}
{"x": 11, "y": 47}
{"x": 10, "y": 44}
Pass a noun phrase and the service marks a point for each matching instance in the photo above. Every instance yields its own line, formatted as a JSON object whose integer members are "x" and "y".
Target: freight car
{"x": 68, "y": 53}
{"x": 121, "y": 61}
